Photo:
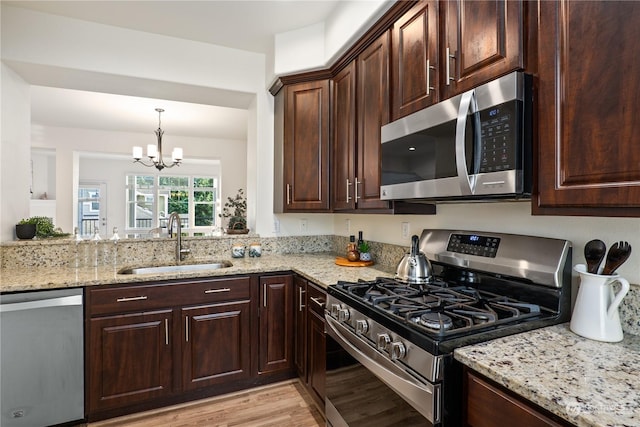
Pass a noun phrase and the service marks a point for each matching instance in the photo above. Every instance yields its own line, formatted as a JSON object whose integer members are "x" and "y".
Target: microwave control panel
{"x": 499, "y": 134}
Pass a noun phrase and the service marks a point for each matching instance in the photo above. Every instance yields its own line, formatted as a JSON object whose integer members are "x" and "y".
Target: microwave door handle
{"x": 467, "y": 183}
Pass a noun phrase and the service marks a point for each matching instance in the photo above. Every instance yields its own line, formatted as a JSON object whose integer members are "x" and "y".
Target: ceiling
{"x": 245, "y": 25}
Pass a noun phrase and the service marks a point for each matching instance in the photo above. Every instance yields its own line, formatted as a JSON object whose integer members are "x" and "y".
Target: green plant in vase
{"x": 44, "y": 227}
{"x": 235, "y": 211}
{"x": 364, "y": 249}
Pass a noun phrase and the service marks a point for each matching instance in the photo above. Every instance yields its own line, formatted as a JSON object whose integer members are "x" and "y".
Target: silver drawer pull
{"x": 141, "y": 298}
{"x": 318, "y": 301}
{"x": 215, "y": 291}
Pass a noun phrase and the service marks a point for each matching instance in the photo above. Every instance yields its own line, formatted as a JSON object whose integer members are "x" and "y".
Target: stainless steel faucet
{"x": 180, "y": 253}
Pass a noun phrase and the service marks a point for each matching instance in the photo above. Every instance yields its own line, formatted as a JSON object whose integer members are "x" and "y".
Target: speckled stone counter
{"x": 588, "y": 383}
{"x": 319, "y": 268}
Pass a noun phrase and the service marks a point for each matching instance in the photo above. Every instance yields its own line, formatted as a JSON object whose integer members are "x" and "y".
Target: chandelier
{"x": 154, "y": 153}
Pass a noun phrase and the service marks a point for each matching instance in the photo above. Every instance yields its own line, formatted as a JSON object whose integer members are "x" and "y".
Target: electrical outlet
{"x": 405, "y": 230}
{"x": 347, "y": 225}
{"x": 303, "y": 225}
{"x": 276, "y": 226}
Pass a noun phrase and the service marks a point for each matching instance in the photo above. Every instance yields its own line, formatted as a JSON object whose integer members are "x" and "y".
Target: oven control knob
{"x": 397, "y": 351}
{"x": 383, "y": 341}
{"x": 361, "y": 327}
{"x": 343, "y": 314}
{"x": 334, "y": 310}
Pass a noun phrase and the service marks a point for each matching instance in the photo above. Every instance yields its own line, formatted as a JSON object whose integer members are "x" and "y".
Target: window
{"x": 151, "y": 199}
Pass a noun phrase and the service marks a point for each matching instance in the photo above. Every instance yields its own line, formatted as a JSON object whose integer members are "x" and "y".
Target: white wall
{"x": 61, "y": 52}
{"x": 15, "y": 152}
{"x": 72, "y": 145}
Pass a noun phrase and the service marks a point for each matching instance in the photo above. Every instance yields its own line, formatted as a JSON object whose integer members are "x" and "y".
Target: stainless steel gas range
{"x": 390, "y": 344}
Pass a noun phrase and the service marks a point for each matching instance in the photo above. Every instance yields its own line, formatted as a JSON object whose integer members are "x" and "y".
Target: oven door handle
{"x": 425, "y": 398}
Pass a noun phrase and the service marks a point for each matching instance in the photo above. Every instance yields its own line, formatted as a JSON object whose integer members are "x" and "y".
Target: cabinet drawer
{"x": 317, "y": 299}
{"x": 146, "y": 297}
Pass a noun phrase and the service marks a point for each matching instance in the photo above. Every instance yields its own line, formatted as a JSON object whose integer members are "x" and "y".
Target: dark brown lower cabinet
{"x": 155, "y": 344}
{"x": 310, "y": 338}
{"x": 216, "y": 344}
{"x": 131, "y": 357}
{"x": 275, "y": 344}
{"x": 487, "y": 404}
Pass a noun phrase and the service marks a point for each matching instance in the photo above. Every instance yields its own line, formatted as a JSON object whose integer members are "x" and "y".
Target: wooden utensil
{"x": 594, "y": 252}
{"x": 618, "y": 254}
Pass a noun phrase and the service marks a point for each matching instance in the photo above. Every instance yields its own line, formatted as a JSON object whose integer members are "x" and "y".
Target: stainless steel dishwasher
{"x": 41, "y": 358}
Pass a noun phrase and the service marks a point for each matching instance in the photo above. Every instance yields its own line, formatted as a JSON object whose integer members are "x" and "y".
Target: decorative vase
{"x": 255, "y": 250}
{"x": 237, "y": 251}
{"x": 365, "y": 256}
{"x": 26, "y": 231}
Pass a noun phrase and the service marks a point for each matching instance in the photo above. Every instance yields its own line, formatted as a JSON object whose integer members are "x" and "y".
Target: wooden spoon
{"x": 594, "y": 252}
{"x": 618, "y": 254}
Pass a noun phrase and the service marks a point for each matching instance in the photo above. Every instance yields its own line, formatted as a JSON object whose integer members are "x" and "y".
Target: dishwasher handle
{"x": 44, "y": 303}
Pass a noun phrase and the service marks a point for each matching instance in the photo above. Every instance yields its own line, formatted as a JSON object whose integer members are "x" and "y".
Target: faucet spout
{"x": 175, "y": 217}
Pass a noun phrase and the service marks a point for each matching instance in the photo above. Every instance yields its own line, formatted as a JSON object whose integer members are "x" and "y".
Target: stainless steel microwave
{"x": 476, "y": 145}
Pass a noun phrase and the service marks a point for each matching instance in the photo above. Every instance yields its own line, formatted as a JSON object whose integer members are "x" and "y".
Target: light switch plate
{"x": 405, "y": 230}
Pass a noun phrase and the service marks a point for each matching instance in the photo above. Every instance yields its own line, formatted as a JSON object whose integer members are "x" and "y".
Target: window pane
{"x": 203, "y": 182}
{"x": 204, "y": 215}
{"x": 179, "y": 202}
{"x": 174, "y": 181}
{"x": 203, "y": 196}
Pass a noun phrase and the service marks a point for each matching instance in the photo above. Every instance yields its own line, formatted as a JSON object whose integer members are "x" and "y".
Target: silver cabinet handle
{"x": 318, "y": 301}
{"x": 300, "y": 304}
{"x": 166, "y": 331}
{"x": 288, "y": 194}
{"x": 264, "y": 294}
{"x": 356, "y": 189}
{"x": 215, "y": 291}
{"x": 429, "y": 68}
{"x": 449, "y": 58}
{"x": 186, "y": 328}
{"x": 126, "y": 299}
{"x": 348, "y": 196}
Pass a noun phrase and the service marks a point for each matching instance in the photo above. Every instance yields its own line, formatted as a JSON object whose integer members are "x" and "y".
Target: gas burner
{"x": 435, "y": 321}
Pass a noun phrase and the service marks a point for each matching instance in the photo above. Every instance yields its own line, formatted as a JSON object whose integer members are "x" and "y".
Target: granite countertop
{"x": 588, "y": 383}
{"x": 319, "y": 268}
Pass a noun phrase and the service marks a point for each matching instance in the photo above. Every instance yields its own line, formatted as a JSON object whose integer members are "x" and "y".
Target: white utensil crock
{"x": 595, "y": 314}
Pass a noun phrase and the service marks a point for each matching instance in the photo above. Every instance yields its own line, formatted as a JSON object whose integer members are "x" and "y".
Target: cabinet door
{"x": 276, "y": 324}
{"x": 216, "y": 344}
{"x": 130, "y": 359}
{"x": 588, "y": 156}
{"x": 487, "y": 405}
{"x": 300, "y": 327}
{"x": 415, "y": 59}
{"x": 317, "y": 359}
{"x": 306, "y": 147}
{"x": 484, "y": 40}
{"x": 343, "y": 123}
{"x": 373, "y": 112}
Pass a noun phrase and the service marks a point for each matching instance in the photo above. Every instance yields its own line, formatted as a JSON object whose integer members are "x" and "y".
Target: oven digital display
{"x": 474, "y": 244}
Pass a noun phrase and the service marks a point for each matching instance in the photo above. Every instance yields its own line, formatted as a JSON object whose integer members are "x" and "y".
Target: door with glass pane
{"x": 92, "y": 209}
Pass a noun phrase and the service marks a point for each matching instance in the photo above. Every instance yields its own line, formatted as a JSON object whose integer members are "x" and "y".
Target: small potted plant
{"x": 235, "y": 209}
{"x": 40, "y": 226}
{"x": 364, "y": 249}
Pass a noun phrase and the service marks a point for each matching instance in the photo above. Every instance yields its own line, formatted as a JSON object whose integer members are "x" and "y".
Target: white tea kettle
{"x": 595, "y": 315}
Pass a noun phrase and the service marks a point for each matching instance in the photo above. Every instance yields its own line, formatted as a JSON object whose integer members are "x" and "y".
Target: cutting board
{"x": 346, "y": 263}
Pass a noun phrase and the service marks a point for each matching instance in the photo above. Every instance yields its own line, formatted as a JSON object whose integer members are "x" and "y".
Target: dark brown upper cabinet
{"x": 482, "y": 40}
{"x": 589, "y": 132}
{"x": 415, "y": 59}
{"x": 306, "y": 147}
{"x": 360, "y": 106}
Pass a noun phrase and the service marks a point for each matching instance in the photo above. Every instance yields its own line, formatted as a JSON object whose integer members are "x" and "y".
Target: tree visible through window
{"x": 151, "y": 199}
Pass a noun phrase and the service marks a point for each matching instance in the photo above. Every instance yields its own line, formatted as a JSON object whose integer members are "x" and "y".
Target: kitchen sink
{"x": 175, "y": 268}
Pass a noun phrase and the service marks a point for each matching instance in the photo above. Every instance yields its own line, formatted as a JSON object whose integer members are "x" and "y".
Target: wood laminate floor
{"x": 283, "y": 404}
